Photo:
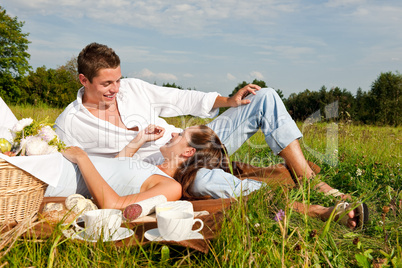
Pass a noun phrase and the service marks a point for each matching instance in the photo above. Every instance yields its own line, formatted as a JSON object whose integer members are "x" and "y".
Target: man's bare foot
{"x": 351, "y": 221}
{"x": 324, "y": 214}
{"x": 322, "y": 187}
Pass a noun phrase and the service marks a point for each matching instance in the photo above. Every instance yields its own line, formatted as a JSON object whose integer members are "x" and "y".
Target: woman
{"x": 114, "y": 182}
{"x": 196, "y": 149}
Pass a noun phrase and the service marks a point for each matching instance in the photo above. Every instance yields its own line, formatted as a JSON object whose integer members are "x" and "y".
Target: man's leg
{"x": 324, "y": 213}
{"x": 295, "y": 161}
{"x": 268, "y": 113}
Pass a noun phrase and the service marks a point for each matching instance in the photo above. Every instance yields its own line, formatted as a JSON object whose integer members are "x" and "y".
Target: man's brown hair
{"x": 95, "y": 57}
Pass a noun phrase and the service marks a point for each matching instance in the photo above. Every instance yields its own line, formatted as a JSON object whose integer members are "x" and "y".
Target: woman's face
{"x": 179, "y": 144}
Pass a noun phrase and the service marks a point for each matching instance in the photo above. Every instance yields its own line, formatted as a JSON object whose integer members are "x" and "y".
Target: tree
{"x": 71, "y": 67}
{"x": 386, "y": 91}
{"x": 54, "y": 87}
{"x": 171, "y": 85}
{"x": 244, "y": 83}
{"x": 13, "y": 56}
{"x": 175, "y": 86}
{"x": 364, "y": 107}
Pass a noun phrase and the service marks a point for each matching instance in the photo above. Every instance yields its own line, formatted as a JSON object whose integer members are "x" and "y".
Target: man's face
{"x": 104, "y": 87}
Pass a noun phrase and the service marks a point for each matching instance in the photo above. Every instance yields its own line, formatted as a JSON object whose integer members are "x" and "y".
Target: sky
{"x": 213, "y": 45}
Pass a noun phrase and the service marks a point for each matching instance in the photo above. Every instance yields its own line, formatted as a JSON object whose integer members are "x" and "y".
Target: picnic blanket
{"x": 273, "y": 175}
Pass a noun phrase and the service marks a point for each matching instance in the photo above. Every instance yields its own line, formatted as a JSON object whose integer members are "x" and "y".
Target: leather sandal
{"x": 361, "y": 214}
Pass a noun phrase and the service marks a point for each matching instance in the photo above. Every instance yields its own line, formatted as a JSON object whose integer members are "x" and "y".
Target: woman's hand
{"x": 74, "y": 154}
{"x": 151, "y": 133}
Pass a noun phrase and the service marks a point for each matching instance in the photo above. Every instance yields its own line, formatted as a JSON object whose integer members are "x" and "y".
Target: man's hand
{"x": 238, "y": 98}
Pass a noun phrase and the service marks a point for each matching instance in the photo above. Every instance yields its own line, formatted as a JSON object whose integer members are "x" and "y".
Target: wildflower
{"x": 385, "y": 209}
{"x": 257, "y": 225}
{"x": 279, "y": 216}
{"x": 47, "y": 133}
{"x": 313, "y": 233}
{"x": 19, "y": 126}
{"x": 358, "y": 172}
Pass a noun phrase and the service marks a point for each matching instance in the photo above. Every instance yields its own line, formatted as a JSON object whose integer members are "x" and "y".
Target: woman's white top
{"x": 124, "y": 175}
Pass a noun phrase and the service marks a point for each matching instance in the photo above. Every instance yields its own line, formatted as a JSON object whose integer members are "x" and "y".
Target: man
{"x": 109, "y": 112}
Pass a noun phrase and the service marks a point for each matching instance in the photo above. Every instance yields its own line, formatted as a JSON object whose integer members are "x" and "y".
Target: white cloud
{"x": 344, "y": 3}
{"x": 145, "y": 73}
{"x": 230, "y": 76}
{"x": 256, "y": 75}
{"x": 148, "y": 74}
{"x": 166, "y": 76}
{"x": 196, "y": 18}
{"x": 177, "y": 52}
{"x": 188, "y": 75}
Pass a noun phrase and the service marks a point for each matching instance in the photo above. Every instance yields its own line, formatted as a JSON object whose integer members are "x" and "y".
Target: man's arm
{"x": 238, "y": 98}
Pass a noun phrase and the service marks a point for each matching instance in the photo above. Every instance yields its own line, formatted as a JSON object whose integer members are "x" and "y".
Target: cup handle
{"x": 200, "y": 228}
{"x": 79, "y": 228}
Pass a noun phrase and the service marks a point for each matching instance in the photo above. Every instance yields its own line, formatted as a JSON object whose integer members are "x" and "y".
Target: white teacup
{"x": 176, "y": 225}
{"x": 181, "y": 205}
{"x": 101, "y": 223}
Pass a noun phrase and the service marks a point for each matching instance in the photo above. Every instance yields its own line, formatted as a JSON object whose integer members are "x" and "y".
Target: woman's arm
{"x": 151, "y": 133}
{"x": 105, "y": 197}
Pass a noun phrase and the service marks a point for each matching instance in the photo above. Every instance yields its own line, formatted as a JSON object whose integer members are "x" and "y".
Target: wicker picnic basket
{"x": 20, "y": 193}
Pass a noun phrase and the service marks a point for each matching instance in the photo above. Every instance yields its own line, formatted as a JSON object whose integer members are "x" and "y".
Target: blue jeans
{"x": 266, "y": 111}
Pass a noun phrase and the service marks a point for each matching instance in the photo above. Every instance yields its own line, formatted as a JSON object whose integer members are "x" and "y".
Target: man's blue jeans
{"x": 266, "y": 111}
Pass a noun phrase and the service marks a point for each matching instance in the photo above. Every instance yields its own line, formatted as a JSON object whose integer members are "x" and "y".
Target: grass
{"x": 368, "y": 165}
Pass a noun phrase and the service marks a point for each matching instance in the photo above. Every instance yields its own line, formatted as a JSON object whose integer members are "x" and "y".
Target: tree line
{"x": 19, "y": 84}
{"x": 381, "y": 105}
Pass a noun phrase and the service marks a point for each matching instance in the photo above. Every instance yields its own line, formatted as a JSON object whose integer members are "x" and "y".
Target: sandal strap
{"x": 340, "y": 210}
{"x": 334, "y": 192}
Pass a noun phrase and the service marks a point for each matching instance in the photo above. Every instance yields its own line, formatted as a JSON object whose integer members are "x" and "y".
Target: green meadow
{"x": 364, "y": 161}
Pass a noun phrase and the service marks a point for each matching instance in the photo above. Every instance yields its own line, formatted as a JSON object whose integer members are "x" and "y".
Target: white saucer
{"x": 120, "y": 234}
{"x": 153, "y": 235}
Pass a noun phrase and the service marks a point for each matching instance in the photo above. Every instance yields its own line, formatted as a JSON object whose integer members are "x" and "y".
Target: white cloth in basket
{"x": 7, "y": 120}
{"x": 46, "y": 168}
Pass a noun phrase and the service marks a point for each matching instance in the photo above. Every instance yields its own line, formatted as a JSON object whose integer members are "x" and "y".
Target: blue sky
{"x": 212, "y": 45}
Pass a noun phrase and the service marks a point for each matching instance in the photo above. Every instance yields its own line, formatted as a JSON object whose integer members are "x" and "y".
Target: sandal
{"x": 361, "y": 214}
{"x": 334, "y": 192}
